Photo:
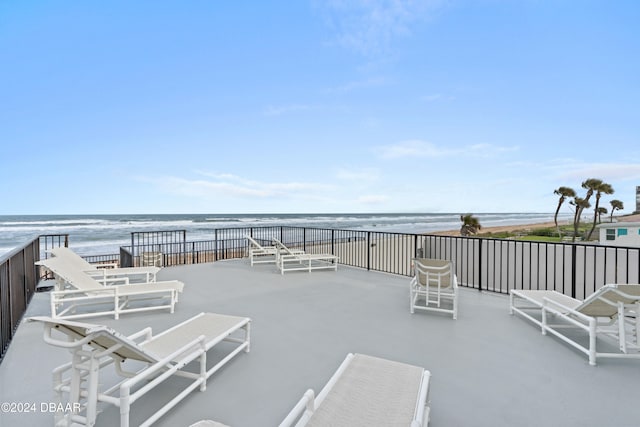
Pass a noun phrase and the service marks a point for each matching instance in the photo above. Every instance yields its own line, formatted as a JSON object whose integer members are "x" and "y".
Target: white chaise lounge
{"x": 83, "y": 385}
{"x": 612, "y": 313}
{"x": 434, "y": 286}
{"x": 79, "y": 295}
{"x": 289, "y": 260}
{"x": 259, "y": 254}
{"x": 367, "y": 391}
{"x": 106, "y": 270}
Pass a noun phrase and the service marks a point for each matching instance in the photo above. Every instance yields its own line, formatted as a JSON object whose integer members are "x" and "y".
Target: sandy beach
{"x": 516, "y": 227}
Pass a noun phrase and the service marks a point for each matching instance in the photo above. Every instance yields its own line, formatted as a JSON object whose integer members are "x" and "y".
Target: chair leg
{"x": 92, "y": 386}
{"x": 622, "y": 335}
{"x": 411, "y": 301}
{"x": 592, "y": 341}
{"x": 203, "y": 367}
{"x": 455, "y": 305}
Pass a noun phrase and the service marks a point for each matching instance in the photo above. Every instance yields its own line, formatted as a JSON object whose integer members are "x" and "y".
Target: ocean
{"x": 104, "y": 234}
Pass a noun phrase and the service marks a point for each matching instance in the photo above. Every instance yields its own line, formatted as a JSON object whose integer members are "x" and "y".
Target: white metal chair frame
{"x": 434, "y": 282}
{"x": 79, "y": 295}
{"x": 105, "y": 271}
{"x": 95, "y": 347}
{"x": 292, "y": 260}
{"x": 259, "y": 254}
{"x": 304, "y": 411}
{"x": 611, "y": 313}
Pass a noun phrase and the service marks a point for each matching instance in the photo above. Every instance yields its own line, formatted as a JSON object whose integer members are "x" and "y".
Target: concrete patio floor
{"x": 488, "y": 368}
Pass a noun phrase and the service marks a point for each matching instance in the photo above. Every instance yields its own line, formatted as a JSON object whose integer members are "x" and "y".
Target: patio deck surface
{"x": 488, "y": 368}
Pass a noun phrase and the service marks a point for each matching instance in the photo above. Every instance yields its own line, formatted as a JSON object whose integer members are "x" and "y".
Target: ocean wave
{"x": 105, "y": 234}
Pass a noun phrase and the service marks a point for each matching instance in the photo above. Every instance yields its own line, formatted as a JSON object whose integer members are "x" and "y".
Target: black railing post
{"x": 304, "y": 239}
{"x": 333, "y": 242}
{"x": 368, "y": 250}
{"x": 480, "y": 264}
{"x": 215, "y": 245}
{"x": 573, "y": 269}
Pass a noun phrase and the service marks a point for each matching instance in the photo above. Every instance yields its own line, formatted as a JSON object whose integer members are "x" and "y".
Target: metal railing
{"x": 19, "y": 277}
{"x": 496, "y": 265}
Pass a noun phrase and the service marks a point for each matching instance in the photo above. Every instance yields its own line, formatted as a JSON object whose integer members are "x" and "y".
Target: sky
{"x": 316, "y": 106}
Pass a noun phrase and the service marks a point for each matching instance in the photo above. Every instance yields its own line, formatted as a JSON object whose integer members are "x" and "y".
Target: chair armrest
{"x": 304, "y": 405}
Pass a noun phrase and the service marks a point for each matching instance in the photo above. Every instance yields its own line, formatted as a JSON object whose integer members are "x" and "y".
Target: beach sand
{"x": 524, "y": 227}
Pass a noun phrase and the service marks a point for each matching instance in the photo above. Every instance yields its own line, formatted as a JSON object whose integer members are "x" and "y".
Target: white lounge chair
{"x": 83, "y": 385}
{"x": 290, "y": 260}
{"x": 367, "y": 391}
{"x": 105, "y": 270}
{"x": 611, "y": 313}
{"x": 80, "y": 295}
{"x": 264, "y": 254}
{"x": 434, "y": 286}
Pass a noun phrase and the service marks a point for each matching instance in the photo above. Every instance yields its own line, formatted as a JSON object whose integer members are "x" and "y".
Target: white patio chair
{"x": 612, "y": 314}
{"x": 264, "y": 254}
{"x": 79, "y": 295}
{"x": 434, "y": 286}
{"x": 142, "y": 360}
{"x": 105, "y": 270}
{"x": 367, "y": 391}
{"x": 292, "y": 260}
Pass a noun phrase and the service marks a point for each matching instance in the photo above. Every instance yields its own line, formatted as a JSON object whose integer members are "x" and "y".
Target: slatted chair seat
{"x": 367, "y": 391}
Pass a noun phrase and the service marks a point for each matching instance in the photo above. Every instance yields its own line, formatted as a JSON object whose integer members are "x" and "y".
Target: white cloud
{"x": 418, "y": 148}
{"x": 438, "y": 97}
{"x": 366, "y": 175}
{"x": 285, "y": 109}
{"x": 605, "y": 171}
{"x": 359, "y": 84}
{"x": 370, "y": 26}
{"x": 238, "y": 187}
{"x": 413, "y": 148}
{"x": 374, "y": 199}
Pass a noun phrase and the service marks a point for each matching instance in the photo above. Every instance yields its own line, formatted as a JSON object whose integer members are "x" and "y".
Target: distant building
{"x": 620, "y": 234}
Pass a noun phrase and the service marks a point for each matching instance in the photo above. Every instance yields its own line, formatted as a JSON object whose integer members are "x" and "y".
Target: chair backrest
{"x": 604, "y": 302}
{"x": 253, "y": 242}
{"x": 72, "y": 258}
{"x": 99, "y": 337}
{"x": 281, "y": 246}
{"x": 433, "y": 272}
{"x": 70, "y": 274}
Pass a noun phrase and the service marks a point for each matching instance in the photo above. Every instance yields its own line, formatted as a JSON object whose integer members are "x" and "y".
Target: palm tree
{"x": 601, "y": 211}
{"x": 470, "y": 225}
{"x": 602, "y": 188}
{"x": 580, "y": 205}
{"x": 616, "y": 204}
{"x": 563, "y": 192}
